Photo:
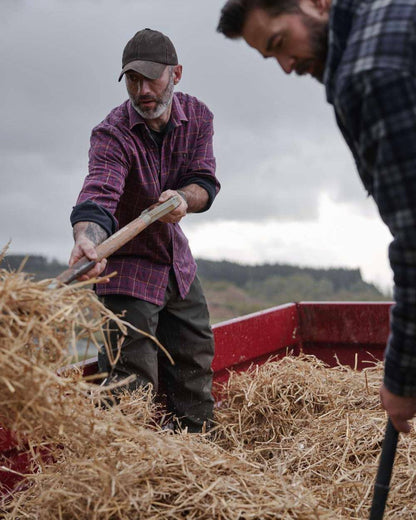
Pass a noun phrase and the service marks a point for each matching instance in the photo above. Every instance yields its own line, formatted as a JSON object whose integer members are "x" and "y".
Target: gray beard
{"x": 161, "y": 106}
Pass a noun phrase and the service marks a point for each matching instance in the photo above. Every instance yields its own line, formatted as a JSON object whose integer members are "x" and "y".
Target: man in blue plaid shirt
{"x": 364, "y": 51}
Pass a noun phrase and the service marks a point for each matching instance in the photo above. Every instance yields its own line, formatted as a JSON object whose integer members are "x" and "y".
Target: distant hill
{"x": 39, "y": 266}
{"x": 240, "y": 274}
{"x": 235, "y": 289}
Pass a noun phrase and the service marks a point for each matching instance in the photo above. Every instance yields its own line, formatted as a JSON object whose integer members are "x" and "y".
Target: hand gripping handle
{"x": 121, "y": 237}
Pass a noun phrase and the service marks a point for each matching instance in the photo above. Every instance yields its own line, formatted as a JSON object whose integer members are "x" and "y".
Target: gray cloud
{"x": 276, "y": 142}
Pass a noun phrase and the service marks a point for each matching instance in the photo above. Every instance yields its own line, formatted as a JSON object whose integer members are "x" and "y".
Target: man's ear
{"x": 323, "y": 6}
{"x": 177, "y": 74}
{"x": 317, "y": 8}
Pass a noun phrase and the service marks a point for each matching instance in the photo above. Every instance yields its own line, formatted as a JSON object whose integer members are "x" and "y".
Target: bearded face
{"x": 297, "y": 40}
{"x": 318, "y": 42}
{"x": 150, "y": 98}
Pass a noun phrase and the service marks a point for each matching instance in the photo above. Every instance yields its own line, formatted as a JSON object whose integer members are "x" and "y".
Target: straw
{"x": 293, "y": 439}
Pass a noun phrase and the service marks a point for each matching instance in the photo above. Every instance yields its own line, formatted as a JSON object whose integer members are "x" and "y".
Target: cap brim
{"x": 150, "y": 69}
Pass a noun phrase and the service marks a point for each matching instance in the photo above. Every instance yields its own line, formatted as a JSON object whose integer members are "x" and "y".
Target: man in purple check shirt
{"x": 155, "y": 145}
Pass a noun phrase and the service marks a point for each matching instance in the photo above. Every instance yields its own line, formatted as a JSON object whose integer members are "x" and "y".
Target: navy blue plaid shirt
{"x": 371, "y": 82}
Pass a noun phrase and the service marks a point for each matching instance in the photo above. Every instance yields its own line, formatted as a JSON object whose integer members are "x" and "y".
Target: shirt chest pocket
{"x": 178, "y": 163}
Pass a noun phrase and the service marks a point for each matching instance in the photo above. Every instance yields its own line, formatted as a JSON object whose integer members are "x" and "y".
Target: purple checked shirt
{"x": 127, "y": 174}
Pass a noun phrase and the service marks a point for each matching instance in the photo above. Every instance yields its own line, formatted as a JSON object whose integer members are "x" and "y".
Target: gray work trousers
{"x": 182, "y": 326}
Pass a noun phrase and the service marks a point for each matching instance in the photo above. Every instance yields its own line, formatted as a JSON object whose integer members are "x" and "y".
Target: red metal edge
{"x": 351, "y": 333}
{"x": 254, "y": 339}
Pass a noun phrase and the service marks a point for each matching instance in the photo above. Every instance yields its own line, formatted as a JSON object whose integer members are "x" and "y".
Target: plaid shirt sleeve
{"x": 108, "y": 169}
{"x": 202, "y": 164}
{"x": 382, "y": 121}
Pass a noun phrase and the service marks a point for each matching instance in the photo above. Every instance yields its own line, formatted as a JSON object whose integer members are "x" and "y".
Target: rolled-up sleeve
{"x": 89, "y": 211}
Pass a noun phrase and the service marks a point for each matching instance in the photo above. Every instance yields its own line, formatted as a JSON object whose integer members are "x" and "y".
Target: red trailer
{"x": 347, "y": 333}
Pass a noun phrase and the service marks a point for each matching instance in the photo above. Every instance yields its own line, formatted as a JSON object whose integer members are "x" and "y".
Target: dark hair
{"x": 234, "y": 13}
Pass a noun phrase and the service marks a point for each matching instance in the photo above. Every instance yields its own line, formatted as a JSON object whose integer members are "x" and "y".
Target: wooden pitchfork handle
{"x": 121, "y": 237}
{"x": 382, "y": 484}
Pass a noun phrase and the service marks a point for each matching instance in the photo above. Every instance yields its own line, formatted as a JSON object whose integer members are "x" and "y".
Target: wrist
{"x": 183, "y": 195}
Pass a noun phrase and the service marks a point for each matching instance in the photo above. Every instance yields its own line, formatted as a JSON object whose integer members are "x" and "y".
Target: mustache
{"x": 142, "y": 99}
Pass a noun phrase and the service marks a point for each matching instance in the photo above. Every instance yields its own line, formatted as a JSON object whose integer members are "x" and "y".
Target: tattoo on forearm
{"x": 91, "y": 230}
{"x": 95, "y": 233}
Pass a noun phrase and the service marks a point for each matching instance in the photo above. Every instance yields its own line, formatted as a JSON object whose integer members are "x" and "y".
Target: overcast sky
{"x": 290, "y": 191}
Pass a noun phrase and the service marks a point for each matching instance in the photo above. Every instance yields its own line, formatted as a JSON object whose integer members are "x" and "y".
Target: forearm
{"x": 195, "y": 196}
{"x": 90, "y": 231}
{"x": 87, "y": 236}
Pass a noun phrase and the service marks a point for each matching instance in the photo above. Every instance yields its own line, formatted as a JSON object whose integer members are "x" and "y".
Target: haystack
{"x": 293, "y": 439}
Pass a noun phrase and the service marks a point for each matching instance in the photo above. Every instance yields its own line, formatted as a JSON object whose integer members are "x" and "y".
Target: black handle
{"x": 79, "y": 268}
{"x": 385, "y": 467}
